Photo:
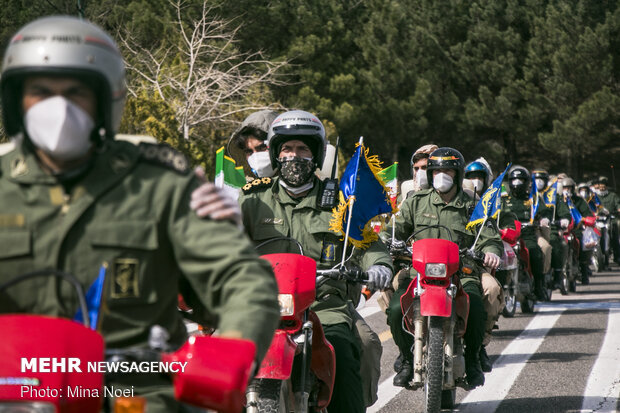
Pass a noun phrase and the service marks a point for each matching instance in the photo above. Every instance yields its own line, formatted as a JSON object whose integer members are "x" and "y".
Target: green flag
{"x": 389, "y": 178}
{"x": 227, "y": 174}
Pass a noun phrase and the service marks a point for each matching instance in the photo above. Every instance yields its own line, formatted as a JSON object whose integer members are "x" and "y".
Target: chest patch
{"x": 427, "y": 215}
{"x": 125, "y": 278}
{"x": 12, "y": 220}
{"x": 328, "y": 253}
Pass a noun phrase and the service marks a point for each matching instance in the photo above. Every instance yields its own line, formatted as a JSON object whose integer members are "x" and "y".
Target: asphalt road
{"x": 565, "y": 357}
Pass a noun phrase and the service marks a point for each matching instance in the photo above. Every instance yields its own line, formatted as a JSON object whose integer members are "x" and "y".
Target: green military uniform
{"x": 611, "y": 202}
{"x": 269, "y": 212}
{"x": 513, "y": 209}
{"x": 426, "y": 208}
{"x": 130, "y": 211}
{"x": 554, "y": 215}
{"x": 584, "y": 255}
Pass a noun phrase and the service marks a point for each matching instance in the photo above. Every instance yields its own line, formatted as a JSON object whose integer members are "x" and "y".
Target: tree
{"x": 199, "y": 72}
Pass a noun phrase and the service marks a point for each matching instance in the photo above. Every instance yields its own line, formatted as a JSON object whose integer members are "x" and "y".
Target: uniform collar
{"x": 459, "y": 200}
{"x": 22, "y": 166}
{"x": 284, "y": 198}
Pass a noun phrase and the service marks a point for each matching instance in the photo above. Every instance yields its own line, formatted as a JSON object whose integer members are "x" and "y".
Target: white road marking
{"x": 603, "y": 387}
{"x": 368, "y": 311}
{"x": 387, "y": 391}
{"x": 508, "y": 366}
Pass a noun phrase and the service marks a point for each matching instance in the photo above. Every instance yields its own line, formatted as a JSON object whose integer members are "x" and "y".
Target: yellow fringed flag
{"x": 490, "y": 203}
{"x": 361, "y": 183}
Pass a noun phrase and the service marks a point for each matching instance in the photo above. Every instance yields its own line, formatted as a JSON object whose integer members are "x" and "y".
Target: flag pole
{"x": 478, "y": 234}
{"x": 346, "y": 234}
{"x": 393, "y": 219}
{"x": 351, "y": 201}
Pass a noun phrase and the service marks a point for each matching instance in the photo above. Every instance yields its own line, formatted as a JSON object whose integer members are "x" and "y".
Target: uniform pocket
{"x": 15, "y": 243}
{"x": 130, "y": 249}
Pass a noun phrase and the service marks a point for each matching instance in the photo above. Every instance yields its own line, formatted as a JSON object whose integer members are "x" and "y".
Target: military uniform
{"x": 611, "y": 202}
{"x": 268, "y": 212}
{"x": 558, "y": 254}
{"x": 426, "y": 208}
{"x": 130, "y": 212}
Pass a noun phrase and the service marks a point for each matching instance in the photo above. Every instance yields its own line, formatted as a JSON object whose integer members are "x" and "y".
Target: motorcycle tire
{"x": 448, "y": 399}
{"x": 272, "y": 396}
{"x": 510, "y": 303}
{"x": 527, "y": 305}
{"x": 433, "y": 385}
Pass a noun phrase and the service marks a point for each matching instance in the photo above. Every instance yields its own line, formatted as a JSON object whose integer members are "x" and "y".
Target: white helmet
{"x": 297, "y": 124}
{"x": 64, "y": 46}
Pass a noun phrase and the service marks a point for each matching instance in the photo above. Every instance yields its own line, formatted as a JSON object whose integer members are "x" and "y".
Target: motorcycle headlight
{"x": 435, "y": 270}
{"x": 28, "y": 407}
{"x": 287, "y": 306}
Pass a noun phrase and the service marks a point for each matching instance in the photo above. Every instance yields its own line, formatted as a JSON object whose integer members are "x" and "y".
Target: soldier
{"x": 611, "y": 202}
{"x": 568, "y": 189}
{"x": 445, "y": 203}
{"x": 80, "y": 201}
{"x": 287, "y": 206}
{"x": 248, "y": 144}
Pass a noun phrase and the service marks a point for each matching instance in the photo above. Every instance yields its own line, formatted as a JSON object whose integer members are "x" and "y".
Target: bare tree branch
{"x": 202, "y": 75}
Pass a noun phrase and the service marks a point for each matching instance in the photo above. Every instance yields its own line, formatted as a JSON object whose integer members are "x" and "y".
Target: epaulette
{"x": 421, "y": 192}
{"x": 257, "y": 184}
{"x": 164, "y": 155}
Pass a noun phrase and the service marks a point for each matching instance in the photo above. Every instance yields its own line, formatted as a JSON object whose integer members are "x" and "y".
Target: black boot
{"x": 405, "y": 374}
{"x": 485, "y": 361}
{"x": 585, "y": 275}
{"x": 539, "y": 290}
{"x": 475, "y": 376}
{"x": 398, "y": 363}
{"x": 558, "y": 282}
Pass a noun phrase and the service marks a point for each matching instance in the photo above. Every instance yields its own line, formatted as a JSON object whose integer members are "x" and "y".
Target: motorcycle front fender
{"x": 278, "y": 362}
{"x": 435, "y": 301}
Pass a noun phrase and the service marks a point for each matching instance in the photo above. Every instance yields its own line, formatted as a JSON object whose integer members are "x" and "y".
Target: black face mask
{"x": 296, "y": 171}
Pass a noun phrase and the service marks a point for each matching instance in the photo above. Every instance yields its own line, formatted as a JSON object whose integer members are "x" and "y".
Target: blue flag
{"x": 361, "y": 184}
{"x": 490, "y": 202}
{"x": 549, "y": 195}
{"x": 93, "y": 299}
{"x": 533, "y": 201}
{"x": 573, "y": 211}
{"x": 594, "y": 202}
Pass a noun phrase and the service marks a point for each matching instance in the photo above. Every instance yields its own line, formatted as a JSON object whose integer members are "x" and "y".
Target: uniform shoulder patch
{"x": 257, "y": 185}
{"x": 164, "y": 155}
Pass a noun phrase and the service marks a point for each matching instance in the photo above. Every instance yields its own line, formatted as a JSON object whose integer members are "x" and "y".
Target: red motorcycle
{"x": 572, "y": 269}
{"x": 46, "y": 365}
{"x": 514, "y": 273}
{"x": 435, "y": 310}
{"x": 298, "y": 372}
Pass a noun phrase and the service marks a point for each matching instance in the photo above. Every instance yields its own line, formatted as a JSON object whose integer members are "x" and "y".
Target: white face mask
{"x": 261, "y": 164}
{"x": 567, "y": 193}
{"x": 60, "y": 128}
{"x": 421, "y": 179}
{"x": 540, "y": 184}
{"x": 442, "y": 182}
{"x": 477, "y": 184}
{"x": 583, "y": 194}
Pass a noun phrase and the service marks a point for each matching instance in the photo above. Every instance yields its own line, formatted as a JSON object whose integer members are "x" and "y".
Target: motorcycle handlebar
{"x": 59, "y": 274}
{"x": 341, "y": 274}
{"x": 477, "y": 256}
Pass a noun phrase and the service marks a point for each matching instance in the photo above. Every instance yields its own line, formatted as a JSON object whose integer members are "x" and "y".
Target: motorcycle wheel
{"x": 511, "y": 303}
{"x": 433, "y": 386}
{"x": 448, "y": 399}
{"x": 595, "y": 260}
{"x": 272, "y": 396}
